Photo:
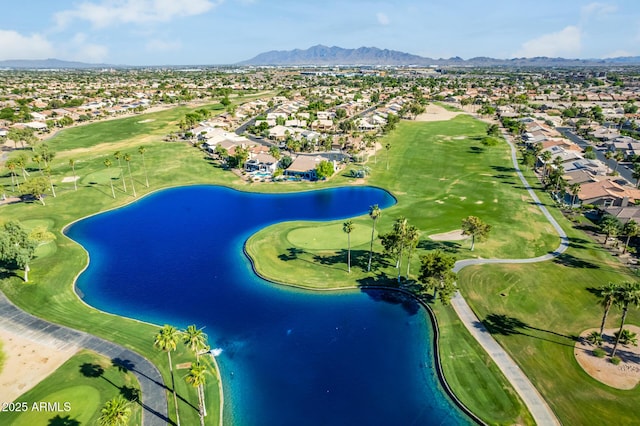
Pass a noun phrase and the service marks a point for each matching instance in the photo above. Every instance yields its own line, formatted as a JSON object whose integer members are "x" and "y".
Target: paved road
{"x": 624, "y": 172}
{"x": 540, "y": 410}
{"x": 154, "y": 397}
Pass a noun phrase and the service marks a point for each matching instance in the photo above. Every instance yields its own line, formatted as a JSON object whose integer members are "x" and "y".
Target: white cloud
{"x": 382, "y": 18}
{"x": 597, "y": 9}
{"x": 113, "y": 12}
{"x": 566, "y": 43}
{"x": 14, "y": 45}
{"x": 163, "y": 46}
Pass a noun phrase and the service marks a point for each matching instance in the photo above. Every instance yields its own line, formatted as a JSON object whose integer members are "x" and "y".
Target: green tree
{"x": 72, "y": 163}
{"x": 412, "y": 238}
{"x": 607, "y": 294}
{"x": 118, "y": 156}
{"x": 195, "y": 339}
{"x": 619, "y": 156}
{"x": 108, "y": 164}
{"x": 436, "y": 273}
{"x": 627, "y": 295}
{"x": 47, "y": 173}
{"x": 11, "y": 166}
{"x": 167, "y": 340}
{"x": 324, "y": 169}
{"x": 196, "y": 377}
{"x": 636, "y": 173}
{"x": 374, "y": 214}
{"x": 116, "y": 412}
{"x": 546, "y": 157}
{"x": 609, "y": 155}
{"x": 574, "y": 189}
{"x": 610, "y": 226}
{"x": 274, "y": 151}
{"x": 475, "y": 227}
{"x": 36, "y": 188}
{"x": 142, "y": 150}
{"x": 493, "y": 130}
{"x": 347, "y": 227}
{"x": 394, "y": 242}
{"x": 630, "y": 229}
{"x": 17, "y": 247}
{"x": 127, "y": 158}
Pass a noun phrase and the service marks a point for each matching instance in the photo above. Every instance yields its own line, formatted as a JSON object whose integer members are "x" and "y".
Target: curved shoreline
{"x": 427, "y": 308}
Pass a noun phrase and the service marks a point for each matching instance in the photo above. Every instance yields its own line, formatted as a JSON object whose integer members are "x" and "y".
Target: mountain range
{"x": 368, "y": 56}
{"x": 324, "y": 55}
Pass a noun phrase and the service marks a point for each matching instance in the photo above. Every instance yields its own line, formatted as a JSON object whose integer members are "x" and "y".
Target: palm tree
{"x": 628, "y": 294}
{"x": 118, "y": 156}
{"x": 607, "y": 294}
{"x": 142, "y": 150}
{"x": 127, "y": 158}
{"x": 546, "y": 157}
{"x": 167, "y": 340}
{"x": 630, "y": 229}
{"x": 347, "y": 227}
{"x": 412, "y": 238}
{"x": 72, "y": 163}
{"x": 636, "y": 174}
{"x": 108, "y": 164}
{"x": 195, "y": 339}
{"x": 574, "y": 189}
{"x": 196, "y": 377}
{"x": 11, "y": 165}
{"x": 38, "y": 159}
{"x": 610, "y": 226}
{"x": 47, "y": 172}
{"x": 475, "y": 227}
{"x": 115, "y": 412}
{"x": 387, "y": 146}
{"x": 374, "y": 214}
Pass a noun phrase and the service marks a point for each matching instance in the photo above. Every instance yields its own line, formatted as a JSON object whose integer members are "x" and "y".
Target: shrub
{"x": 627, "y": 337}
{"x": 599, "y": 352}
{"x": 615, "y": 360}
{"x": 595, "y": 338}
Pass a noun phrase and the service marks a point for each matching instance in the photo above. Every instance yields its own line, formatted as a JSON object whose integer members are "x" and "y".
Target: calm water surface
{"x": 289, "y": 357}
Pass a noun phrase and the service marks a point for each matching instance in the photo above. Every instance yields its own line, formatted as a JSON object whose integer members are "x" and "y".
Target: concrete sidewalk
{"x": 154, "y": 397}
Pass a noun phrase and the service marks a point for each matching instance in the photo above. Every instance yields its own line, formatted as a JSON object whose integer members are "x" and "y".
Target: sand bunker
{"x": 27, "y": 363}
{"x": 436, "y": 113}
{"x": 148, "y": 120}
{"x": 625, "y": 375}
{"x": 455, "y": 235}
{"x": 70, "y": 179}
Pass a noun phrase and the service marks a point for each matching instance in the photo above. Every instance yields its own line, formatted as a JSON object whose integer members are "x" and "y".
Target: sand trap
{"x": 439, "y": 202}
{"x": 436, "y": 113}
{"x": 625, "y": 375}
{"x": 70, "y": 179}
{"x": 27, "y": 363}
{"x": 479, "y": 202}
{"x": 455, "y": 235}
{"x": 463, "y": 198}
{"x": 148, "y": 120}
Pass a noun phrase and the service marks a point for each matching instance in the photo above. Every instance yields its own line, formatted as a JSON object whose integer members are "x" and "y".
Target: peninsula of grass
{"x": 76, "y": 391}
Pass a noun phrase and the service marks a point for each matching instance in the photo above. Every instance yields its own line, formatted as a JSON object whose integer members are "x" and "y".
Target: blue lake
{"x": 290, "y": 357}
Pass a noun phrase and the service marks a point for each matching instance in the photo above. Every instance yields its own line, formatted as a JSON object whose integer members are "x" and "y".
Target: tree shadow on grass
{"x": 475, "y": 150}
{"x": 63, "y": 421}
{"x": 292, "y": 253}
{"x": 569, "y": 260}
{"x": 446, "y": 246}
{"x": 509, "y": 326}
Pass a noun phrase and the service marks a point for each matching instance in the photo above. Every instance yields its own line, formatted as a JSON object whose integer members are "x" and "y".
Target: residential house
{"x": 304, "y": 166}
{"x": 607, "y": 193}
{"x": 262, "y": 162}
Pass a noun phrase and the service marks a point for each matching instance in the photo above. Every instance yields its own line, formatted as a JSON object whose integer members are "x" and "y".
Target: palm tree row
{"x": 623, "y": 295}
{"x": 195, "y": 340}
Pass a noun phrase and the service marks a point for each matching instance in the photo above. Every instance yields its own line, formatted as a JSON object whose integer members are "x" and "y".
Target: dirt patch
{"x": 436, "y": 113}
{"x": 148, "y": 120}
{"x": 455, "y": 235}
{"x": 625, "y": 375}
{"x": 27, "y": 363}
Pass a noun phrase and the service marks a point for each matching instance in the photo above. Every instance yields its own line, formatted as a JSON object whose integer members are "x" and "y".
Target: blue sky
{"x": 159, "y": 32}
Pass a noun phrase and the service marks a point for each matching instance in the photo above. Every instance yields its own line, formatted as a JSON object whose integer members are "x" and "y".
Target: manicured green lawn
{"x": 537, "y": 310}
{"x": 85, "y": 382}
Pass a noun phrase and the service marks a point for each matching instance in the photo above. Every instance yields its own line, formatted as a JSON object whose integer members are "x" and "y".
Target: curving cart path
{"x": 540, "y": 410}
{"x": 154, "y": 397}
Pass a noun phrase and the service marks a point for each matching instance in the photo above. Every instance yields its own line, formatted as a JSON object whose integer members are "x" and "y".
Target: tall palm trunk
{"x": 373, "y": 230}
{"x": 146, "y": 177}
{"x": 624, "y": 317}
{"x": 113, "y": 192}
{"x": 604, "y": 317}
{"x": 26, "y": 273}
{"x": 473, "y": 241}
{"x": 173, "y": 388}
{"x": 133, "y": 187}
